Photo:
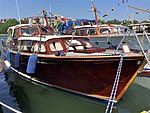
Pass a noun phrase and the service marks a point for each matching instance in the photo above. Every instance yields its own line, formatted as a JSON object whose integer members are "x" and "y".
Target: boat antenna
{"x": 95, "y": 12}
{"x": 18, "y": 11}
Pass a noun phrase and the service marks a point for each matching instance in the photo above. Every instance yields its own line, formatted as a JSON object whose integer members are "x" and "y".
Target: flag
{"x": 101, "y": 19}
{"x": 112, "y": 9}
{"x": 66, "y": 22}
{"x": 63, "y": 18}
{"x": 55, "y": 16}
{"x": 105, "y": 15}
{"x": 137, "y": 13}
{"x": 92, "y": 7}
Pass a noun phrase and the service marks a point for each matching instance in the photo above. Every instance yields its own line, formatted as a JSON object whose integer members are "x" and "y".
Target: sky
{"x": 77, "y": 9}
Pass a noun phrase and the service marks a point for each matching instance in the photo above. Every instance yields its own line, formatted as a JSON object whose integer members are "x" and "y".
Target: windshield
{"x": 47, "y": 31}
{"x": 77, "y": 44}
{"x": 28, "y": 30}
{"x": 35, "y": 30}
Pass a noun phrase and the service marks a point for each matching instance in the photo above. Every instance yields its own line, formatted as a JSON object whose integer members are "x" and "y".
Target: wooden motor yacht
{"x": 69, "y": 62}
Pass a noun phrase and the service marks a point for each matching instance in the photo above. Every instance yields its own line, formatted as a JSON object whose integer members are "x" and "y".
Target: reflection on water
{"x": 35, "y": 98}
{"x": 6, "y": 96}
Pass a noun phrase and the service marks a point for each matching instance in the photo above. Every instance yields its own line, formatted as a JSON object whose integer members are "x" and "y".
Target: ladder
{"x": 146, "y": 55}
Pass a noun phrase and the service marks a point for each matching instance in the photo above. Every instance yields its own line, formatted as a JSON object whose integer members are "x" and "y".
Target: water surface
{"x": 36, "y": 98}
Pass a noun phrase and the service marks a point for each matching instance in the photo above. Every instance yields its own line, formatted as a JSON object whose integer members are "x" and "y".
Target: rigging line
{"x": 18, "y": 11}
{"x": 50, "y": 7}
{"x": 125, "y": 13}
{"x": 0, "y": 8}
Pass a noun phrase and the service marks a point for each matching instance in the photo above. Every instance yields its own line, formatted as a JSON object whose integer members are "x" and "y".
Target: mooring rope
{"x": 115, "y": 87}
{"x": 10, "y": 108}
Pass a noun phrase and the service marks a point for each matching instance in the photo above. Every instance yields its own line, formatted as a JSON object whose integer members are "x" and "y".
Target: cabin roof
{"x": 99, "y": 26}
{"x": 139, "y": 24}
{"x": 47, "y": 37}
{"x": 86, "y": 26}
{"x": 22, "y": 25}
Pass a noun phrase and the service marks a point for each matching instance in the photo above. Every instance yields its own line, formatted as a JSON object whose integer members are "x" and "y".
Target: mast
{"x": 143, "y": 10}
{"x": 95, "y": 11}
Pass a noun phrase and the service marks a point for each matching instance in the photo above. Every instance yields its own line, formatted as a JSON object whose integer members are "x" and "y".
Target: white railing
{"x": 146, "y": 56}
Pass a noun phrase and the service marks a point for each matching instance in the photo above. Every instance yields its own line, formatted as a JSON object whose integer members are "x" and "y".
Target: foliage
{"x": 145, "y": 21}
{"x": 135, "y": 22}
{"x": 115, "y": 21}
{"x": 102, "y": 21}
{"x": 126, "y": 22}
{"x": 24, "y": 21}
{"x": 6, "y": 25}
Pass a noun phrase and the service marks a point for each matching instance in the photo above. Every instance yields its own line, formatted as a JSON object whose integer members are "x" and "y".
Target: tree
{"x": 115, "y": 21}
{"x": 126, "y": 22}
{"x": 102, "y": 21}
{"x": 145, "y": 21}
{"x": 6, "y": 25}
{"x": 135, "y": 22}
{"x": 24, "y": 21}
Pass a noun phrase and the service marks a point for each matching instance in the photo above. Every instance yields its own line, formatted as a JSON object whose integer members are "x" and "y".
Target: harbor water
{"x": 30, "y": 97}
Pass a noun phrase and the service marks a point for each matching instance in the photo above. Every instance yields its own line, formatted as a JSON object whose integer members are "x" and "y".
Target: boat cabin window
{"x": 74, "y": 45}
{"x": 83, "y": 32}
{"x": 10, "y": 33}
{"x": 26, "y": 45}
{"x": 115, "y": 30}
{"x": 36, "y": 48}
{"x": 92, "y": 31}
{"x": 55, "y": 46}
{"x": 104, "y": 30}
{"x": 14, "y": 41}
{"x": 88, "y": 45}
{"x": 47, "y": 31}
{"x": 28, "y": 31}
{"x": 15, "y": 35}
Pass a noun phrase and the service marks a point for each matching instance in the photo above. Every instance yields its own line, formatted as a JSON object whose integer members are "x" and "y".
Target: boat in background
{"x": 140, "y": 28}
{"x": 100, "y": 33}
{"x": 97, "y": 32}
{"x": 70, "y": 62}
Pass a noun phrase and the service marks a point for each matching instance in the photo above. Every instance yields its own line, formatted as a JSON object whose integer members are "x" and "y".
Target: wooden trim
{"x": 131, "y": 80}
